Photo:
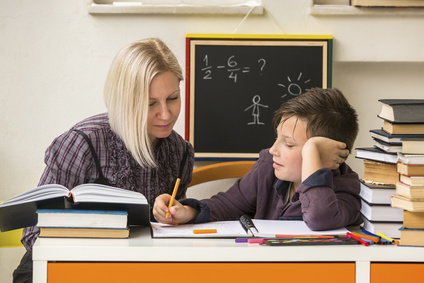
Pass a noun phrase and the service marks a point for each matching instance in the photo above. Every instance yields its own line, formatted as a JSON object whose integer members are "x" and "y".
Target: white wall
{"x": 54, "y": 57}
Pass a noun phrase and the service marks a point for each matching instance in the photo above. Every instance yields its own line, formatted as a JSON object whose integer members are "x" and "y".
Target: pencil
{"x": 174, "y": 193}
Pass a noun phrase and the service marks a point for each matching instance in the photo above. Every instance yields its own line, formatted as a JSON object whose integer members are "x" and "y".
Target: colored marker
{"x": 305, "y": 236}
{"x": 365, "y": 243}
{"x": 204, "y": 231}
{"x": 369, "y": 233}
{"x": 368, "y": 237}
{"x": 387, "y": 238}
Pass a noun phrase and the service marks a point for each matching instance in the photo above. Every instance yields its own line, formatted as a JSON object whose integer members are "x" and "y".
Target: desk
{"x": 117, "y": 260}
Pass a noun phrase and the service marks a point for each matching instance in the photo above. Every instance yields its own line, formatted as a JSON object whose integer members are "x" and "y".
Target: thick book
{"x": 388, "y": 147}
{"x": 387, "y": 3}
{"x": 388, "y": 228}
{"x": 20, "y": 211}
{"x": 381, "y": 212}
{"x": 376, "y": 154}
{"x": 413, "y": 146}
{"x": 58, "y": 232}
{"x": 375, "y": 193}
{"x": 410, "y": 204}
{"x": 384, "y": 136}
{"x": 402, "y": 110}
{"x": 413, "y": 220}
{"x": 410, "y": 158}
{"x": 410, "y": 191}
{"x": 411, "y": 237}
{"x": 380, "y": 172}
{"x": 245, "y": 227}
{"x": 403, "y": 128}
{"x": 81, "y": 218}
{"x": 410, "y": 169}
{"x": 411, "y": 180}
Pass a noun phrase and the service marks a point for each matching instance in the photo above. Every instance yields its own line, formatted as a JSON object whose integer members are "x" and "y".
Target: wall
{"x": 55, "y": 56}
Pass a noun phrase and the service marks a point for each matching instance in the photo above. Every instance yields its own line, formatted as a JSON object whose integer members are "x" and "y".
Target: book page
{"x": 101, "y": 193}
{"x": 224, "y": 229}
{"x": 270, "y": 228}
{"x": 49, "y": 191}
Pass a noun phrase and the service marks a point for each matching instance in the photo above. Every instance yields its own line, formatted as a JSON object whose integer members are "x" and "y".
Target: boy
{"x": 303, "y": 176}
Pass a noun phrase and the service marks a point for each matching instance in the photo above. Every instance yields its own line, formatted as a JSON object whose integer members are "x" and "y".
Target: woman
{"x": 134, "y": 143}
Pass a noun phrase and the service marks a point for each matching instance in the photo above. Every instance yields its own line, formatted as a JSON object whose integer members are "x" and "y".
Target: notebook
{"x": 245, "y": 227}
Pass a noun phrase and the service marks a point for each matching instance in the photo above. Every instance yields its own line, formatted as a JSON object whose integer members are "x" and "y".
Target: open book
{"x": 20, "y": 211}
{"x": 245, "y": 227}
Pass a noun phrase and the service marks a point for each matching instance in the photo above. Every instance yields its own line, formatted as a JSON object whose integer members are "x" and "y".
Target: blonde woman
{"x": 134, "y": 146}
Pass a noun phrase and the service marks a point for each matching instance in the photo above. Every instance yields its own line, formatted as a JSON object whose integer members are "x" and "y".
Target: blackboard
{"x": 234, "y": 86}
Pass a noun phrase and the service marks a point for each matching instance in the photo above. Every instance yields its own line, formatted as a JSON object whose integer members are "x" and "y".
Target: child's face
{"x": 287, "y": 150}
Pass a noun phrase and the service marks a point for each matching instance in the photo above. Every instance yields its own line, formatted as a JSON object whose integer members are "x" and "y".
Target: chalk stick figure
{"x": 255, "y": 111}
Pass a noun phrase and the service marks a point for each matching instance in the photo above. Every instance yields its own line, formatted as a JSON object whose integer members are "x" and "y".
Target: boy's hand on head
{"x": 178, "y": 213}
{"x": 321, "y": 152}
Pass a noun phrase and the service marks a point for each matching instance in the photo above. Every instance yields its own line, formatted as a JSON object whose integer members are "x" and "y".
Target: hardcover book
{"x": 381, "y": 212}
{"x": 413, "y": 219}
{"x": 53, "y": 232}
{"x": 20, "y": 211}
{"x": 410, "y": 191}
{"x": 79, "y": 218}
{"x": 413, "y": 146}
{"x": 402, "y": 110}
{"x": 388, "y": 228}
{"x": 379, "y": 172}
{"x": 384, "y": 136}
{"x": 411, "y": 237}
{"x": 415, "y": 205}
{"x": 375, "y": 193}
{"x": 403, "y": 128}
{"x": 376, "y": 154}
{"x": 411, "y": 180}
{"x": 410, "y": 169}
{"x": 411, "y": 158}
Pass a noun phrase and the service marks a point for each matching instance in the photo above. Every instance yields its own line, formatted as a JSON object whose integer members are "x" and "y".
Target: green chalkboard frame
{"x": 201, "y": 128}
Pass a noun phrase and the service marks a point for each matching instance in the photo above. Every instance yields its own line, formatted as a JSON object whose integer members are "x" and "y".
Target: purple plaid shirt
{"x": 69, "y": 162}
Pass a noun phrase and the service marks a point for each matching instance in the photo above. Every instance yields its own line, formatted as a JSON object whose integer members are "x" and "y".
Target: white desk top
{"x": 140, "y": 247}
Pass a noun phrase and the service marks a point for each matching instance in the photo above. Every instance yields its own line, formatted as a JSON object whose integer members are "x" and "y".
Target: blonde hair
{"x": 126, "y": 93}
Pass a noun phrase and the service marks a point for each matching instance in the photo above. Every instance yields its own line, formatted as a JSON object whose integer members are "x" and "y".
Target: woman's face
{"x": 164, "y": 105}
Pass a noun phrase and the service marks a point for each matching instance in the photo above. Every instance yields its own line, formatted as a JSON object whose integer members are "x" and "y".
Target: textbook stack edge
{"x": 402, "y": 119}
{"x": 403, "y": 133}
{"x": 410, "y": 197}
{"x": 75, "y": 223}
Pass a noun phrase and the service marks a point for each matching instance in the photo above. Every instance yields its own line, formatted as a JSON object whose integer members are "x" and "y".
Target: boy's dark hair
{"x": 327, "y": 113}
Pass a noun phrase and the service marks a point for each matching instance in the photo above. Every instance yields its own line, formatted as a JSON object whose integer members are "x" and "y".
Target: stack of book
{"x": 75, "y": 223}
{"x": 410, "y": 197}
{"x": 405, "y": 119}
{"x": 87, "y": 211}
{"x": 412, "y": 232}
{"x": 402, "y": 119}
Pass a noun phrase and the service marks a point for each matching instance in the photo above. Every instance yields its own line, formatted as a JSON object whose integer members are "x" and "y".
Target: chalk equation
{"x": 231, "y": 67}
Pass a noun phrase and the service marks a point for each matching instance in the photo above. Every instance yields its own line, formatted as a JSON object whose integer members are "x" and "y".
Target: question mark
{"x": 263, "y": 65}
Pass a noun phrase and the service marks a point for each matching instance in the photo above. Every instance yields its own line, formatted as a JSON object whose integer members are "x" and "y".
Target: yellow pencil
{"x": 174, "y": 193}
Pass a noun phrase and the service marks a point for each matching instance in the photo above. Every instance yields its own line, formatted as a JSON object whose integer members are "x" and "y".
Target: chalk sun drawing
{"x": 294, "y": 88}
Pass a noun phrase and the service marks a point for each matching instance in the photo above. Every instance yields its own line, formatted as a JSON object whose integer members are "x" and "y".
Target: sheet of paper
{"x": 230, "y": 229}
{"x": 233, "y": 229}
{"x": 269, "y": 228}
